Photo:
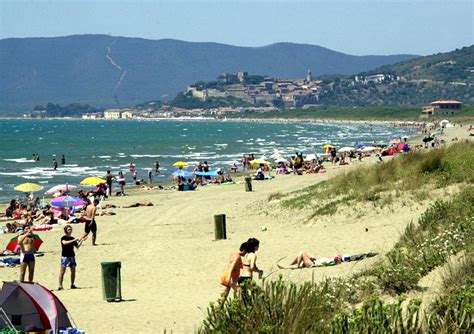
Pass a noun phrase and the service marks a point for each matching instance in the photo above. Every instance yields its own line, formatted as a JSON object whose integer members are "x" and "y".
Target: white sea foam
{"x": 104, "y": 156}
{"x": 20, "y": 160}
{"x": 144, "y": 156}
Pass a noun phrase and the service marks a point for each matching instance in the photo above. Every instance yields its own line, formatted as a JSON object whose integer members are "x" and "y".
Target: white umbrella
{"x": 311, "y": 157}
{"x": 346, "y": 149}
{"x": 280, "y": 160}
{"x": 444, "y": 121}
{"x": 369, "y": 149}
{"x": 60, "y": 187}
{"x": 275, "y": 155}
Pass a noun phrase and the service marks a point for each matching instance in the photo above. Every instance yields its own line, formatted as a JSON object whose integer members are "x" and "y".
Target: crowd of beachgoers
{"x": 31, "y": 211}
{"x": 26, "y": 215}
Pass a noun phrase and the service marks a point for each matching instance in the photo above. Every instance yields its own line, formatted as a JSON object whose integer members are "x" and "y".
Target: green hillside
{"x": 446, "y": 67}
{"x": 409, "y": 83}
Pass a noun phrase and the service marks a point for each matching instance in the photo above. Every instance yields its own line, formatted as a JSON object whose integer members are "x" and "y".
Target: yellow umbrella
{"x": 328, "y": 146}
{"x": 28, "y": 187}
{"x": 180, "y": 164}
{"x": 92, "y": 181}
{"x": 259, "y": 162}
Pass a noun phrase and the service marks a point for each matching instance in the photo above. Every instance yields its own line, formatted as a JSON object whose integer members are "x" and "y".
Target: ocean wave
{"x": 20, "y": 160}
{"x": 145, "y": 155}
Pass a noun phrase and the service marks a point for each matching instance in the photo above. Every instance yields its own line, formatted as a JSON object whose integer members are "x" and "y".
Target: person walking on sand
{"x": 55, "y": 164}
{"x": 90, "y": 224}
{"x": 68, "y": 257}
{"x": 27, "y": 256}
{"x": 230, "y": 278}
{"x": 249, "y": 262}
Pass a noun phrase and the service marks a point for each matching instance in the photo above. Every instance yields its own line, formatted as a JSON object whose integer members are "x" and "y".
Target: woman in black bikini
{"x": 249, "y": 261}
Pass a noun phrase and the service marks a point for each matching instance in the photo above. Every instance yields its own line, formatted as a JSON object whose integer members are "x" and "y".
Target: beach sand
{"x": 171, "y": 263}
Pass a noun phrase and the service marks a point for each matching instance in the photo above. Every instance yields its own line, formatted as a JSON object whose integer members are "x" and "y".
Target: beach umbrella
{"x": 311, "y": 157}
{"x": 182, "y": 173}
{"x": 328, "y": 146}
{"x": 281, "y": 160}
{"x": 346, "y": 149}
{"x": 369, "y": 149}
{"x": 92, "y": 181}
{"x": 258, "y": 162}
{"x": 67, "y": 202}
{"x": 211, "y": 173}
{"x": 60, "y": 187}
{"x": 360, "y": 145}
{"x": 29, "y": 187}
{"x": 180, "y": 164}
{"x": 15, "y": 247}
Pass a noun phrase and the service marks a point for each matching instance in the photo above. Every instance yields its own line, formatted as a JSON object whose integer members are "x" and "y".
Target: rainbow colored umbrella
{"x": 15, "y": 247}
{"x": 67, "y": 202}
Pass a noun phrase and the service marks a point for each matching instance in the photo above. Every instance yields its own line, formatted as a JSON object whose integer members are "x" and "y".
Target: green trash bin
{"x": 111, "y": 281}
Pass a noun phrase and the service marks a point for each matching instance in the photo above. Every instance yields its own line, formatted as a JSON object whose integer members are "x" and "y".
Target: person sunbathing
{"x": 136, "y": 205}
{"x": 304, "y": 260}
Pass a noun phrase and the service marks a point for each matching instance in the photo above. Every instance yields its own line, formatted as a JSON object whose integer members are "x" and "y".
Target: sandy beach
{"x": 171, "y": 263}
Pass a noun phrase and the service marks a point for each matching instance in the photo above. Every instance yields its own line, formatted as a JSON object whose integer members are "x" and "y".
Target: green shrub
{"x": 443, "y": 230}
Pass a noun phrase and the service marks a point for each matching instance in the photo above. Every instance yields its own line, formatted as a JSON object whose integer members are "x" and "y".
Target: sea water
{"x": 91, "y": 147}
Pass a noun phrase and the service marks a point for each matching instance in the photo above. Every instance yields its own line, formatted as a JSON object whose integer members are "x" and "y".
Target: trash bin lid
{"x": 107, "y": 264}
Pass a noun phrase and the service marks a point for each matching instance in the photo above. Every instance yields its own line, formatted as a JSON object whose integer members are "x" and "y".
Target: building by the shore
{"x": 112, "y": 114}
{"x": 441, "y": 107}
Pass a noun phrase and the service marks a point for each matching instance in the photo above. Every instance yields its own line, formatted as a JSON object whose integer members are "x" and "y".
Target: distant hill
{"x": 422, "y": 80}
{"x": 107, "y": 71}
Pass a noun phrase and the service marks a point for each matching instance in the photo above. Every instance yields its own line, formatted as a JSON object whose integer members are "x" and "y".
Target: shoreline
{"x": 394, "y": 122}
{"x": 171, "y": 263}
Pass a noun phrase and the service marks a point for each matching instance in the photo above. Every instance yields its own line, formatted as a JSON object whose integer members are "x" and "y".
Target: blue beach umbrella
{"x": 182, "y": 173}
{"x": 212, "y": 173}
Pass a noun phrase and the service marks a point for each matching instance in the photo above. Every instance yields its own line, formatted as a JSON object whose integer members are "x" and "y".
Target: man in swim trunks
{"x": 68, "y": 257}
{"x": 91, "y": 225}
{"x": 27, "y": 256}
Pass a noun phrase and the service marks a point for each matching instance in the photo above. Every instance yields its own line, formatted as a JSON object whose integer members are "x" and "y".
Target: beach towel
{"x": 10, "y": 261}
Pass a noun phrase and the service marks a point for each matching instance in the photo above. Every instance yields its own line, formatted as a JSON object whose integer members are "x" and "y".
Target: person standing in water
{"x": 55, "y": 164}
{"x": 63, "y": 160}
{"x": 157, "y": 167}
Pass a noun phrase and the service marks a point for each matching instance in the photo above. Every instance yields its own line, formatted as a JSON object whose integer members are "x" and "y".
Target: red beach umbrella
{"x": 15, "y": 247}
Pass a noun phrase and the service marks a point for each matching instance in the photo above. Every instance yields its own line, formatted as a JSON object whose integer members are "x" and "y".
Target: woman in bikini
{"x": 230, "y": 278}
{"x": 249, "y": 261}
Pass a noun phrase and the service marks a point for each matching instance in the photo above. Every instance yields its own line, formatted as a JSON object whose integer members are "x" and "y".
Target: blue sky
{"x": 358, "y": 27}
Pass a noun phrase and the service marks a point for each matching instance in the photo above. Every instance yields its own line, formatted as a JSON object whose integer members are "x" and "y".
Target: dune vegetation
{"x": 387, "y": 296}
